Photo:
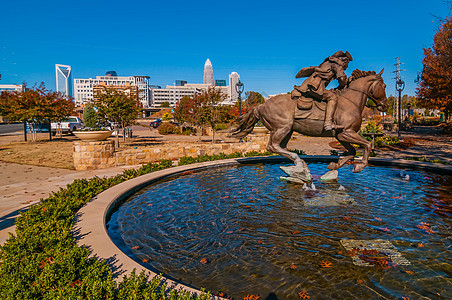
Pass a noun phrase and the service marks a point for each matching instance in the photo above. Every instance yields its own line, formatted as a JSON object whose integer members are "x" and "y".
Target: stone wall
{"x": 100, "y": 155}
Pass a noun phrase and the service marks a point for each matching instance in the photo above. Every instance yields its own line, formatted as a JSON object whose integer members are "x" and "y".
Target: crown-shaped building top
{"x": 208, "y": 73}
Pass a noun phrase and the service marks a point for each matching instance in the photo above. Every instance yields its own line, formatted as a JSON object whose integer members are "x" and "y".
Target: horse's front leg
{"x": 351, "y": 155}
{"x": 351, "y": 137}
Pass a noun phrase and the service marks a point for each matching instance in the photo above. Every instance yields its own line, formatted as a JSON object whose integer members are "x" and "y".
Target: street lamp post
{"x": 400, "y": 85}
{"x": 239, "y": 86}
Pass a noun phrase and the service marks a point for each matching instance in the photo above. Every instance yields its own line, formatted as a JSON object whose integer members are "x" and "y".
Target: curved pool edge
{"x": 90, "y": 222}
{"x": 90, "y": 229}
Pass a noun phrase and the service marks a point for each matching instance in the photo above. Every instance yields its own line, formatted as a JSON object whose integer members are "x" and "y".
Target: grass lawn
{"x": 55, "y": 154}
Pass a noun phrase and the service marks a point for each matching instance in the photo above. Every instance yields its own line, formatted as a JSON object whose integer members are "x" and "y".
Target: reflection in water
{"x": 241, "y": 230}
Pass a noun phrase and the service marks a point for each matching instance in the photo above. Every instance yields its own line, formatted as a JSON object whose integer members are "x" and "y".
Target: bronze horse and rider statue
{"x": 313, "y": 110}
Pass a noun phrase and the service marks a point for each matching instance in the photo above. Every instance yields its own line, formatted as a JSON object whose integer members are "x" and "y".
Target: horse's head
{"x": 372, "y": 85}
{"x": 377, "y": 92}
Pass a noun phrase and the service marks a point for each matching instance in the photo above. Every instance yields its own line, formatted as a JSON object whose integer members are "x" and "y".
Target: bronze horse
{"x": 281, "y": 117}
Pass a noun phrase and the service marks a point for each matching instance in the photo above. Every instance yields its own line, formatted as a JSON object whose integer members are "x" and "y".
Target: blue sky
{"x": 266, "y": 42}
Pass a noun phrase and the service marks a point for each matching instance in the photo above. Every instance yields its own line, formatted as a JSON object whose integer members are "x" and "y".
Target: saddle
{"x": 305, "y": 109}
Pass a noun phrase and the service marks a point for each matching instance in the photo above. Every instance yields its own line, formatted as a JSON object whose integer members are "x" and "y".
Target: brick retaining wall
{"x": 101, "y": 155}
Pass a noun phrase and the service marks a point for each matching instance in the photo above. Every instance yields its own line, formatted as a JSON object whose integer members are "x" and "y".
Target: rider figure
{"x": 314, "y": 87}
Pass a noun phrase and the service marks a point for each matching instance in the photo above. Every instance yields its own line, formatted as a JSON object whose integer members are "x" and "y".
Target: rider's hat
{"x": 342, "y": 54}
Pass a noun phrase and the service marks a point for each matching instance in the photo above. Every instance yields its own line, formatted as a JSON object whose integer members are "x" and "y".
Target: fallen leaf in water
{"x": 260, "y": 241}
{"x": 360, "y": 281}
{"x": 395, "y": 198}
{"x": 296, "y": 232}
{"x": 229, "y": 232}
{"x": 145, "y": 260}
{"x": 378, "y": 219}
{"x": 384, "y": 229}
{"x": 225, "y": 197}
{"x": 409, "y": 272}
{"x": 203, "y": 260}
{"x": 326, "y": 264}
{"x": 420, "y": 245}
{"x": 158, "y": 216}
{"x": 425, "y": 226}
{"x": 339, "y": 252}
{"x": 293, "y": 267}
{"x": 406, "y": 298}
{"x": 251, "y": 297}
{"x": 303, "y": 295}
{"x": 135, "y": 247}
{"x": 241, "y": 229}
{"x": 346, "y": 218}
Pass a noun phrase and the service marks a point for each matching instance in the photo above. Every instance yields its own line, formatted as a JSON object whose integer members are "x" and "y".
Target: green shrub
{"x": 168, "y": 128}
{"x": 221, "y": 127}
{"x": 381, "y": 141}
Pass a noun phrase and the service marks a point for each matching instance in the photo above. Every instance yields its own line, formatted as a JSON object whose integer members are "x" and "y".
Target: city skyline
{"x": 266, "y": 44}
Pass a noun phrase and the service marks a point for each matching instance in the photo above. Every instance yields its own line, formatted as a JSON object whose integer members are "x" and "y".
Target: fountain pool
{"x": 239, "y": 230}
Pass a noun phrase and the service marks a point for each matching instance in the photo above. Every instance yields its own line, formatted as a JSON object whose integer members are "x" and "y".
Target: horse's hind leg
{"x": 278, "y": 141}
{"x": 351, "y": 154}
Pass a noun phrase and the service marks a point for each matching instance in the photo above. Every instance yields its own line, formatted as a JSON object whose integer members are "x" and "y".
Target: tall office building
{"x": 208, "y": 73}
{"x": 234, "y": 78}
{"x": 63, "y": 79}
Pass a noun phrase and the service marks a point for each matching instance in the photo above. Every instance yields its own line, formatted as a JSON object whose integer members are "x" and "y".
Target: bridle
{"x": 371, "y": 97}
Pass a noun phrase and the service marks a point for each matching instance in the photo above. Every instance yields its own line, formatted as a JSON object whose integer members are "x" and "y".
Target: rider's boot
{"x": 329, "y": 113}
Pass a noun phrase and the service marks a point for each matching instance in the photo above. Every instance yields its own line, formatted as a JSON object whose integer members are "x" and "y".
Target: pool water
{"x": 242, "y": 231}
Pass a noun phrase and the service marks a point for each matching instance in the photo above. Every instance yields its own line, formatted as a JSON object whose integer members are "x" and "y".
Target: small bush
{"x": 168, "y": 128}
{"x": 381, "y": 141}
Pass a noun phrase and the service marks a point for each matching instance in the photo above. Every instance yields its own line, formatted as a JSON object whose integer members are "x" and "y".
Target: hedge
{"x": 43, "y": 261}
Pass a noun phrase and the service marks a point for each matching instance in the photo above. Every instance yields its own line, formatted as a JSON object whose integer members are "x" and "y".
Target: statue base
{"x": 297, "y": 174}
{"x": 330, "y": 176}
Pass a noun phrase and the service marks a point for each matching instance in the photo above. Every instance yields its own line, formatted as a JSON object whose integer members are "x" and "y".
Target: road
{"x": 9, "y": 128}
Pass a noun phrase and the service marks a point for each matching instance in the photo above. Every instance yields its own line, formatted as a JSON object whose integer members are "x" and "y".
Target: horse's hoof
{"x": 333, "y": 166}
{"x": 359, "y": 167}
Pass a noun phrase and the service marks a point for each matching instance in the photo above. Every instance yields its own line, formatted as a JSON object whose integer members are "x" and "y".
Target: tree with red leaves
{"x": 435, "y": 85}
{"x": 35, "y": 105}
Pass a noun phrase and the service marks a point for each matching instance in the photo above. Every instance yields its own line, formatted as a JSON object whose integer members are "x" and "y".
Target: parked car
{"x": 68, "y": 126}
{"x": 40, "y": 127}
{"x": 156, "y": 123}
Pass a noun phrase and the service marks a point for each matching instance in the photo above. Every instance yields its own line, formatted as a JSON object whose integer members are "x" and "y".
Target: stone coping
{"x": 90, "y": 222}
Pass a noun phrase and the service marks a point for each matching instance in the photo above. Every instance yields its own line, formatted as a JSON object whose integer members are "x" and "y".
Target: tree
{"x": 164, "y": 104}
{"x": 90, "y": 116}
{"x": 184, "y": 110}
{"x": 120, "y": 106}
{"x": 35, "y": 105}
{"x": 207, "y": 109}
{"x": 435, "y": 85}
{"x": 253, "y": 98}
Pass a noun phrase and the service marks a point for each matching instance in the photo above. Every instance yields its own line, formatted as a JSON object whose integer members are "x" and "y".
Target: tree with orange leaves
{"x": 435, "y": 85}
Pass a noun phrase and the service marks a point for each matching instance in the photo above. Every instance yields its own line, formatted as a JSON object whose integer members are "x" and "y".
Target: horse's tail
{"x": 245, "y": 123}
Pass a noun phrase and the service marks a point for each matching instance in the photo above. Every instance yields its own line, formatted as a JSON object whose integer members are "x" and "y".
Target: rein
{"x": 365, "y": 93}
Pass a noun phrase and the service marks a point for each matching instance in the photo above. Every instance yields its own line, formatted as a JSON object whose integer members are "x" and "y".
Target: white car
{"x": 67, "y": 126}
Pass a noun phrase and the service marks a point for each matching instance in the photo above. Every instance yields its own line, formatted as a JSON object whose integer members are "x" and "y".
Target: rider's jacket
{"x": 321, "y": 76}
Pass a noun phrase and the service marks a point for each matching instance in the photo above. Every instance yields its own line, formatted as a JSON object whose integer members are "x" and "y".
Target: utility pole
{"x": 400, "y": 85}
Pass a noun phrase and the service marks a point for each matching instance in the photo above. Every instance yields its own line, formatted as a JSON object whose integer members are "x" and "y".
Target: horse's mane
{"x": 356, "y": 74}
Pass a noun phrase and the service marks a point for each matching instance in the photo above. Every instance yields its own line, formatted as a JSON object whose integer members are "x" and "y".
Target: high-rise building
{"x": 83, "y": 88}
{"x": 11, "y": 87}
{"x": 220, "y": 82}
{"x": 234, "y": 78}
{"x": 208, "y": 73}
{"x": 63, "y": 79}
